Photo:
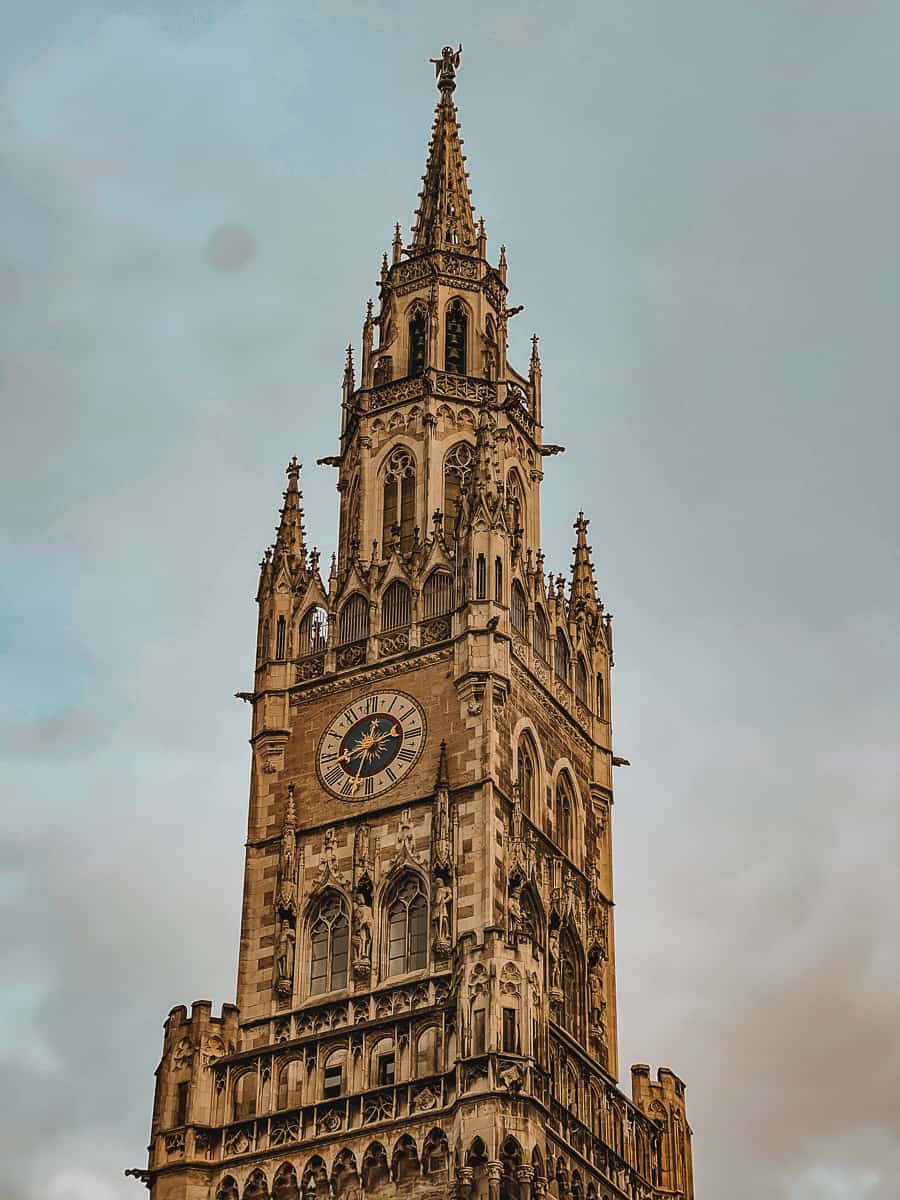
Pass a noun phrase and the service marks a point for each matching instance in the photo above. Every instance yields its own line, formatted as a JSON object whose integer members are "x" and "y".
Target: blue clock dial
{"x": 371, "y": 745}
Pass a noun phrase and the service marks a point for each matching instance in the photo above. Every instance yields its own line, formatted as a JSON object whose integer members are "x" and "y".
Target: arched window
{"x": 541, "y": 634}
{"x": 437, "y": 594}
{"x": 333, "y": 1075}
{"x": 407, "y": 927}
{"x": 436, "y": 1153}
{"x": 396, "y": 606}
{"x": 564, "y": 815}
{"x": 527, "y": 776}
{"x": 426, "y": 1052}
{"x": 498, "y": 579}
{"x": 313, "y": 632}
{"x": 519, "y": 609}
{"x": 601, "y": 699}
{"x": 285, "y": 1185}
{"x": 245, "y": 1096}
{"x": 290, "y": 1084}
{"x": 227, "y": 1189}
{"x": 384, "y": 370}
{"x": 329, "y": 946}
{"x": 581, "y": 680}
{"x": 264, "y": 644}
{"x": 457, "y": 467}
{"x": 398, "y": 513}
{"x": 561, "y": 657}
{"x": 572, "y": 984}
{"x": 382, "y": 1063}
{"x": 257, "y": 1186}
{"x": 417, "y": 334}
{"x": 455, "y": 337}
{"x": 280, "y": 638}
{"x": 354, "y": 620}
{"x": 349, "y": 533}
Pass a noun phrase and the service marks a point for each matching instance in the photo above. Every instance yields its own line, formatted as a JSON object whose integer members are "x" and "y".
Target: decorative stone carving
{"x": 442, "y": 898}
{"x": 363, "y": 931}
{"x": 182, "y": 1054}
{"x": 284, "y": 958}
{"x": 240, "y": 1140}
{"x": 425, "y": 1099}
{"x": 174, "y": 1143}
{"x": 284, "y": 1131}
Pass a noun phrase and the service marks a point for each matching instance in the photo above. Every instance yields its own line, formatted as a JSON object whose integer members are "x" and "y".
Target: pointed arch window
{"x": 353, "y": 624}
{"x": 396, "y": 606}
{"x": 456, "y": 335}
{"x": 526, "y": 772}
{"x": 426, "y": 1051}
{"x": 333, "y": 1075}
{"x": 407, "y": 927}
{"x": 280, "y": 638}
{"x": 519, "y": 609}
{"x": 329, "y": 946}
{"x": 541, "y": 635}
{"x": 498, "y": 579}
{"x": 289, "y": 1090}
{"x": 564, "y": 815}
{"x": 417, "y": 336}
{"x": 581, "y": 680}
{"x": 457, "y": 468}
{"x": 398, "y": 516}
{"x": 384, "y": 371}
{"x": 245, "y": 1096}
{"x": 313, "y": 632}
{"x": 601, "y": 699}
{"x": 264, "y": 644}
{"x": 480, "y": 578}
{"x": 437, "y": 594}
{"x": 572, "y": 984}
{"x": 561, "y": 657}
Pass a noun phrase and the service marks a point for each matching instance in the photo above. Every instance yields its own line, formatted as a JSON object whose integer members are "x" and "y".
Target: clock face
{"x": 371, "y": 745}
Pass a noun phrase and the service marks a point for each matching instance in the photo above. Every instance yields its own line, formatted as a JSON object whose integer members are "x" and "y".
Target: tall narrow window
{"x": 519, "y": 609}
{"x": 245, "y": 1096}
{"x": 541, "y": 634}
{"x": 384, "y": 371}
{"x": 561, "y": 657}
{"x": 479, "y": 1032}
{"x": 280, "y": 638}
{"x": 313, "y": 632}
{"x": 457, "y": 467}
{"x": 417, "y": 334}
{"x": 601, "y": 699}
{"x": 333, "y": 1076}
{"x": 407, "y": 922}
{"x": 526, "y": 773}
{"x": 353, "y": 624}
{"x": 581, "y": 680}
{"x": 510, "y": 1031}
{"x": 570, "y": 974}
{"x": 498, "y": 579}
{"x": 398, "y": 517}
{"x": 564, "y": 816}
{"x": 288, "y": 1092}
{"x": 264, "y": 646}
{"x": 329, "y": 946}
{"x": 181, "y": 1099}
{"x": 480, "y": 578}
{"x": 437, "y": 594}
{"x": 455, "y": 337}
{"x": 426, "y": 1051}
{"x": 396, "y": 606}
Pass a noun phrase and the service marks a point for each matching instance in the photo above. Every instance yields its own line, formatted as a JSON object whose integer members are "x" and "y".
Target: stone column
{"x": 527, "y": 1183}
{"x": 464, "y": 1179}
{"x": 495, "y": 1174}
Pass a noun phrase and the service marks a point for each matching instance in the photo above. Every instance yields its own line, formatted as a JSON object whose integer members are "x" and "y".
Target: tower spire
{"x": 291, "y": 536}
{"x": 444, "y": 217}
{"x": 583, "y": 593}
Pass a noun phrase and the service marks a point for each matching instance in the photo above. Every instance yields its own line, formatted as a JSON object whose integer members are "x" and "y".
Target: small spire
{"x": 444, "y": 217}
{"x": 443, "y": 772}
{"x": 583, "y": 590}
{"x": 501, "y": 265}
{"x": 396, "y": 245}
{"x": 290, "y": 817}
{"x": 290, "y": 538}
{"x": 384, "y": 267}
{"x": 535, "y": 367}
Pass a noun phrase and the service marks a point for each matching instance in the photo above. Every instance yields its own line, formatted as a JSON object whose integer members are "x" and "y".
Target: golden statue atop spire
{"x": 446, "y": 66}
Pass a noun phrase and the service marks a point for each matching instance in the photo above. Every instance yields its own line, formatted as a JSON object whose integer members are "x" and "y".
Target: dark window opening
{"x": 510, "y": 1031}
{"x": 417, "y": 343}
{"x": 480, "y": 578}
{"x": 478, "y": 1031}
{"x": 498, "y": 579}
{"x": 181, "y": 1099}
{"x": 385, "y": 1072}
{"x": 455, "y": 337}
{"x": 333, "y": 1083}
{"x": 280, "y": 637}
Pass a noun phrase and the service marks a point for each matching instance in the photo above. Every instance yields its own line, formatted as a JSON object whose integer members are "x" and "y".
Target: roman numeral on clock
{"x": 334, "y": 775}
{"x": 406, "y": 755}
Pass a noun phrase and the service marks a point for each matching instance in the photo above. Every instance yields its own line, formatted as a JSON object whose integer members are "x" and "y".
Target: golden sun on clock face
{"x": 371, "y": 745}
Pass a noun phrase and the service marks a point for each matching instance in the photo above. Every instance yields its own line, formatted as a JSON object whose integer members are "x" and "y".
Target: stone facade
{"x": 426, "y": 992}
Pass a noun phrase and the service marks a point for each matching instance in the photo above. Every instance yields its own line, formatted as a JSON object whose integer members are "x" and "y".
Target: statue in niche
{"x": 363, "y": 927}
{"x": 362, "y": 847}
{"x": 443, "y": 895}
{"x": 284, "y": 956}
{"x": 595, "y": 984}
{"x": 515, "y": 915}
{"x": 553, "y": 952}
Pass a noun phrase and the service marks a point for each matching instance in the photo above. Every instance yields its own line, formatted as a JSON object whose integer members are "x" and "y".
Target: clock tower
{"x": 426, "y": 996}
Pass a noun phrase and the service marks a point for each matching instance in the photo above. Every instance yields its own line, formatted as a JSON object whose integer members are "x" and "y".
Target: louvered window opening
{"x": 561, "y": 657}
{"x": 417, "y": 335}
{"x": 280, "y": 638}
{"x": 519, "y": 609}
{"x": 313, "y": 632}
{"x": 541, "y": 635}
{"x": 399, "y": 507}
{"x": 396, "y": 607}
{"x": 480, "y": 578}
{"x": 455, "y": 338}
{"x": 354, "y": 621}
{"x": 581, "y": 680}
{"x": 437, "y": 594}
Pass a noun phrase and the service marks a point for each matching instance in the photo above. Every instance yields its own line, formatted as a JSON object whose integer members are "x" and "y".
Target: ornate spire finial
{"x": 290, "y": 817}
{"x": 290, "y": 535}
{"x": 443, "y": 771}
{"x": 444, "y": 217}
{"x": 582, "y": 590}
{"x": 445, "y": 68}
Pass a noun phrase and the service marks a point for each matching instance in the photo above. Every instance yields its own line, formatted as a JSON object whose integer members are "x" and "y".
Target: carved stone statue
{"x": 284, "y": 953}
{"x": 595, "y": 983}
{"x": 553, "y": 951}
{"x": 514, "y": 911}
{"x": 363, "y": 927}
{"x": 441, "y": 907}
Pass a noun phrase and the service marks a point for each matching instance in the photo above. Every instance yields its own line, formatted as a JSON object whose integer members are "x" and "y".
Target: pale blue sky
{"x": 700, "y": 205}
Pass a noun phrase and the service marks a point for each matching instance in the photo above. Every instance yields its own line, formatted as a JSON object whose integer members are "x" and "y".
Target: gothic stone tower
{"x": 426, "y": 991}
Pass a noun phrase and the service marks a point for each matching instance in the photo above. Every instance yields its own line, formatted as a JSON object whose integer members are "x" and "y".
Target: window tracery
{"x": 457, "y": 468}
{"x": 353, "y": 624}
{"x": 398, "y": 514}
{"x": 418, "y": 326}
{"x": 329, "y": 945}
{"x": 407, "y": 927}
{"x": 456, "y": 334}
